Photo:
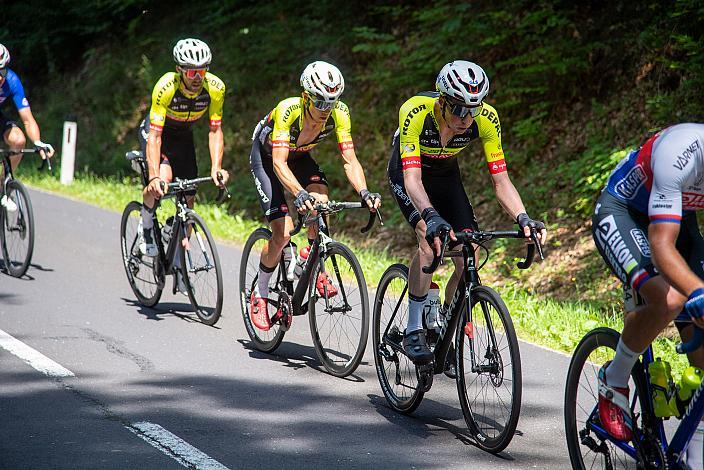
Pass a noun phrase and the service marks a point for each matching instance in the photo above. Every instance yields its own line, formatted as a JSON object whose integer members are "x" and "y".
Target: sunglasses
{"x": 319, "y": 103}
{"x": 191, "y": 73}
{"x": 462, "y": 111}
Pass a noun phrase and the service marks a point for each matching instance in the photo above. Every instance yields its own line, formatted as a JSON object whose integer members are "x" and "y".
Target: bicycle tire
{"x": 197, "y": 260}
{"x": 133, "y": 260}
{"x": 17, "y": 230}
{"x": 350, "y": 329}
{"x": 597, "y": 338}
{"x": 387, "y": 359}
{"x": 264, "y": 341}
{"x": 490, "y": 434}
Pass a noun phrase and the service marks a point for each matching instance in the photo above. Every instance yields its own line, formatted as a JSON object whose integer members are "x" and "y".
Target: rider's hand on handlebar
{"x": 220, "y": 177}
{"x": 527, "y": 224}
{"x": 695, "y": 307}
{"x": 373, "y": 200}
{"x": 304, "y": 201}
{"x": 45, "y": 150}
{"x": 435, "y": 227}
{"x": 156, "y": 187}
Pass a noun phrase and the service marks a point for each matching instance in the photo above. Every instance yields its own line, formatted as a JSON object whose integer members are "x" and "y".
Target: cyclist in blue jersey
{"x": 645, "y": 228}
{"x": 11, "y": 89}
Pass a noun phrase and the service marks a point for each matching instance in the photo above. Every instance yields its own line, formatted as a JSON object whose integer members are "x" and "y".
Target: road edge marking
{"x": 33, "y": 357}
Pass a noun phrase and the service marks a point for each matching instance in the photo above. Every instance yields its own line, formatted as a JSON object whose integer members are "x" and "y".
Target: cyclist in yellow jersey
{"x": 179, "y": 99}
{"x": 425, "y": 178}
{"x": 280, "y": 161}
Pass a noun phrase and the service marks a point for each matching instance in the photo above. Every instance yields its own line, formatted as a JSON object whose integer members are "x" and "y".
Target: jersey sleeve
{"x": 283, "y": 116}
{"x": 410, "y": 126}
{"x": 17, "y": 91}
{"x": 665, "y": 202}
{"x": 161, "y": 98}
{"x": 343, "y": 126}
{"x": 216, "y": 88}
{"x": 490, "y": 135}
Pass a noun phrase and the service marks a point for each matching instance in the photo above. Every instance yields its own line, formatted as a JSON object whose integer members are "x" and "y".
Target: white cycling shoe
{"x": 8, "y": 204}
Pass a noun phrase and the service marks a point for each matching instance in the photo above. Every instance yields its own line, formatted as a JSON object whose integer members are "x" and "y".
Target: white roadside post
{"x": 68, "y": 152}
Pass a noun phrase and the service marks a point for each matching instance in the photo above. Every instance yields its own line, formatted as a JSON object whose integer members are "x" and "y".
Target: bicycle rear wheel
{"x": 587, "y": 448}
{"x": 265, "y": 341}
{"x": 200, "y": 265}
{"x": 397, "y": 374}
{"x": 488, "y": 370}
{"x": 142, "y": 271}
{"x": 17, "y": 230}
{"x": 340, "y": 323}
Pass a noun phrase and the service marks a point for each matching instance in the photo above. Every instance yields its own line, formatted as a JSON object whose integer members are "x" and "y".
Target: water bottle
{"x": 166, "y": 230}
{"x": 302, "y": 258}
{"x": 431, "y": 309}
{"x": 289, "y": 255}
{"x": 689, "y": 383}
{"x": 663, "y": 386}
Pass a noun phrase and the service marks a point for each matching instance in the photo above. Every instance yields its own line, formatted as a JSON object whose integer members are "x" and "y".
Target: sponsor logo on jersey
{"x": 693, "y": 200}
{"x": 290, "y": 109}
{"x": 683, "y": 160}
{"x": 315, "y": 178}
{"x": 411, "y": 113}
{"x": 408, "y": 148}
{"x": 641, "y": 241}
{"x": 346, "y": 145}
{"x": 496, "y": 156}
{"x": 258, "y": 185}
{"x": 25, "y": 102}
{"x": 615, "y": 248}
{"x": 400, "y": 194}
{"x": 628, "y": 185}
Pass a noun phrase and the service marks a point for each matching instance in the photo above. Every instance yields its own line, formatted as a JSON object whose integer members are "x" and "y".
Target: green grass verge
{"x": 556, "y": 325}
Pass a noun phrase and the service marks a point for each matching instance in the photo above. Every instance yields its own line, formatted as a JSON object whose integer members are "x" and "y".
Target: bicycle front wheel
{"x": 339, "y": 316}
{"x": 17, "y": 230}
{"x": 200, "y": 265}
{"x": 488, "y": 370}
{"x": 265, "y": 341}
{"x": 397, "y": 374}
{"x": 142, "y": 271}
{"x": 587, "y": 447}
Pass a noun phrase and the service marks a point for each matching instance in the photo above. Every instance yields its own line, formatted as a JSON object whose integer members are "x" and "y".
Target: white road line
{"x": 174, "y": 446}
{"x": 33, "y": 357}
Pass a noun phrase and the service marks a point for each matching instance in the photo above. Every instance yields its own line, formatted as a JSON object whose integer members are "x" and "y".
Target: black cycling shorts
{"x": 271, "y": 191}
{"x": 6, "y": 124}
{"x": 443, "y": 184}
{"x": 177, "y": 150}
{"x": 621, "y": 236}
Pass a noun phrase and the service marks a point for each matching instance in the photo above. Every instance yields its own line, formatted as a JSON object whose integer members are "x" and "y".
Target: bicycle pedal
{"x": 425, "y": 375}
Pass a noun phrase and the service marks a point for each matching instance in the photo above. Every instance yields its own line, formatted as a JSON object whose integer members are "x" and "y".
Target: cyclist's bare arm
{"x": 510, "y": 200}
{"x": 31, "y": 127}
{"x": 216, "y": 144}
{"x": 355, "y": 172}
{"x": 668, "y": 259}
{"x": 153, "y": 160}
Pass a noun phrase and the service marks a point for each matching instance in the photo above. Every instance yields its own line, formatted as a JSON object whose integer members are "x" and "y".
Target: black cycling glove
{"x": 367, "y": 195}
{"x": 435, "y": 225}
{"x": 525, "y": 221}
{"x": 301, "y": 198}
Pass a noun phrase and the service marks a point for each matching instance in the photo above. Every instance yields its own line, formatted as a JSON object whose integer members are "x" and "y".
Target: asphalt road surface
{"x": 90, "y": 379}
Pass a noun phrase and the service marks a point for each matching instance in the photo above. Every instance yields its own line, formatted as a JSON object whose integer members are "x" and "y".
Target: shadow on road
{"x": 164, "y": 309}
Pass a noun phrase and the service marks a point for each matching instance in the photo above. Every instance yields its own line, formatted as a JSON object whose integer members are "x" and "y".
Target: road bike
{"x": 486, "y": 359}
{"x": 188, "y": 251}
{"x": 17, "y": 234}
{"x": 589, "y": 445}
{"x": 339, "y": 323}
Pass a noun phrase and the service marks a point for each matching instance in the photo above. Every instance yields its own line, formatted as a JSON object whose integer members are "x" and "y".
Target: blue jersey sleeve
{"x": 16, "y": 90}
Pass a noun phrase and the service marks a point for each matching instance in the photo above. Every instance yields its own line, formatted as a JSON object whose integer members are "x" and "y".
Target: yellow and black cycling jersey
{"x": 419, "y": 139}
{"x": 282, "y": 126}
{"x": 175, "y": 107}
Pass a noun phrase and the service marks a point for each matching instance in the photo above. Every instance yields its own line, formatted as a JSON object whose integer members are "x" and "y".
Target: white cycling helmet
{"x": 4, "y": 56}
{"x": 192, "y": 53}
{"x": 322, "y": 80}
{"x": 463, "y": 81}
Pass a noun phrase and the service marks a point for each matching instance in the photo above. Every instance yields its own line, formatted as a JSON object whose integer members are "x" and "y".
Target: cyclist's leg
{"x": 14, "y": 139}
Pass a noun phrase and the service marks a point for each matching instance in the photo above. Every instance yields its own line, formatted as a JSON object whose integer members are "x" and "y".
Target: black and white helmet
{"x": 463, "y": 81}
{"x": 192, "y": 53}
{"x": 323, "y": 81}
{"x": 4, "y": 56}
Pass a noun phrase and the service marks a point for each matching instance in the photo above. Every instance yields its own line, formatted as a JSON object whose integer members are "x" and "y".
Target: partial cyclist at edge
{"x": 11, "y": 87}
{"x": 180, "y": 99}
{"x": 425, "y": 179}
{"x": 281, "y": 161}
{"x": 645, "y": 228}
